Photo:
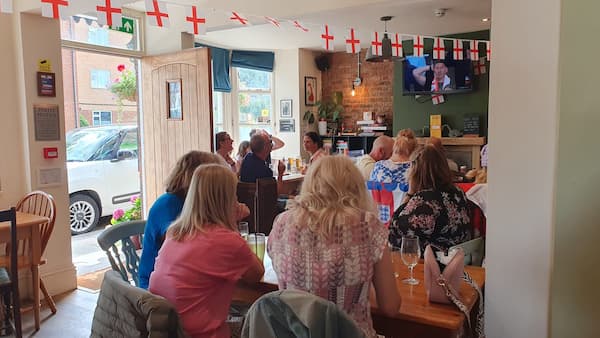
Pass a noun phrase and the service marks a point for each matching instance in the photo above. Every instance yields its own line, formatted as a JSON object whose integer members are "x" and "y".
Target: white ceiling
{"x": 410, "y": 17}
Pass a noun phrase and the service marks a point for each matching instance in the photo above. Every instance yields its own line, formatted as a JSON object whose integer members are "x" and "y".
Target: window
{"x": 254, "y": 100}
{"x": 85, "y": 29}
{"x": 100, "y": 78}
{"x": 130, "y": 143}
{"x": 218, "y": 111}
{"x": 98, "y": 35}
{"x": 101, "y": 118}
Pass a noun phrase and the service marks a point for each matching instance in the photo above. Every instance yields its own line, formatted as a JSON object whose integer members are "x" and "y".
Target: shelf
{"x": 457, "y": 141}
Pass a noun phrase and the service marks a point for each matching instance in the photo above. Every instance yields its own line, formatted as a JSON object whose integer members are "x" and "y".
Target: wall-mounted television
{"x": 423, "y": 75}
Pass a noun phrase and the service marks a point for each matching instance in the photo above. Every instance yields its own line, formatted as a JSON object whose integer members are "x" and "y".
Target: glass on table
{"x": 410, "y": 252}
{"x": 396, "y": 260}
{"x": 257, "y": 244}
{"x": 243, "y": 229}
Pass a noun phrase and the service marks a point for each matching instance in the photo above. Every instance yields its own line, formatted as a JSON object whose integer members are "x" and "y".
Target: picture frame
{"x": 174, "y": 99}
{"x": 46, "y": 84}
{"x": 310, "y": 90}
{"x": 287, "y": 126}
{"x": 285, "y": 109}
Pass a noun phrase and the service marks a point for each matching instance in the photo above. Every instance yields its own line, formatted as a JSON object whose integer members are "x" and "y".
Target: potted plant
{"x": 328, "y": 110}
{"x": 131, "y": 214}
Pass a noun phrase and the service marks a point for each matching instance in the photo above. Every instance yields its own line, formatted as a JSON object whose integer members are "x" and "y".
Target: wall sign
{"x": 46, "y": 119}
{"x": 287, "y": 126}
{"x": 46, "y": 84}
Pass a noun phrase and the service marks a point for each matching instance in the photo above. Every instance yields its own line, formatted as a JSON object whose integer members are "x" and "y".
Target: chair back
{"x": 474, "y": 251}
{"x": 124, "y": 310}
{"x": 126, "y": 260}
{"x": 266, "y": 191}
{"x": 11, "y": 216}
{"x": 246, "y": 193}
{"x": 42, "y": 204}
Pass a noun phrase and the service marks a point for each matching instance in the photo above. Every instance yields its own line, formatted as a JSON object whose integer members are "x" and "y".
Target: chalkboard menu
{"x": 471, "y": 126}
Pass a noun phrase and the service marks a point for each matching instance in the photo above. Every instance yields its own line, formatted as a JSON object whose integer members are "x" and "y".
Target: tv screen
{"x": 422, "y": 75}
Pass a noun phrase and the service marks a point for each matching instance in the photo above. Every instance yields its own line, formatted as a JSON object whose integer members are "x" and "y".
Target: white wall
{"x": 286, "y": 87}
{"x": 308, "y": 68}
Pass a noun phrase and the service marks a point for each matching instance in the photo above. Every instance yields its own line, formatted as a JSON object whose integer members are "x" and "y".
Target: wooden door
{"x": 174, "y": 123}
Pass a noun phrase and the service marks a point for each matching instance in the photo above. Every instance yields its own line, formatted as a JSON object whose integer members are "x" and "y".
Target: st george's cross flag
{"x": 157, "y": 13}
{"x": 474, "y": 50}
{"x": 109, "y": 13}
{"x": 488, "y": 50}
{"x": 457, "y": 49}
{"x": 439, "y": 49}
{"x": 352, "y": 42}
{"x": 397, "y": 45}
{"x": 6, "y": 6}
{"x": 418, "y": 45}
{"x": 479, "y": 67}
{"x": 194, "y": 22}
{"x": 376, "y": 44}
{"x": 54, "y": 8}
{"x": 328, "y": 39}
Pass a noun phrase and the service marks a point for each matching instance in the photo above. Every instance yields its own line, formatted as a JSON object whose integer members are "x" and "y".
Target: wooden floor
{"x": 73, "y": 318}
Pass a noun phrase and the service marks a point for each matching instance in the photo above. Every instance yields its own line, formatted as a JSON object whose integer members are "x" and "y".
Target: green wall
{"x": 414, "y": 113}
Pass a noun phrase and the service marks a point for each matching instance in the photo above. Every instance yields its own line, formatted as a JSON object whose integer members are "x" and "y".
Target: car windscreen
{"x": 83, "y": 143}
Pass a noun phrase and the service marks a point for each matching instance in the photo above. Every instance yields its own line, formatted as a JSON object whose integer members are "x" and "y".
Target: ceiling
{"x": 410, "y": 17}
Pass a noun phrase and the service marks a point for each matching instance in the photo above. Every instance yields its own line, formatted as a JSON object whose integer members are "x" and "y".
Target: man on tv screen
{"x": 434, "y": 77}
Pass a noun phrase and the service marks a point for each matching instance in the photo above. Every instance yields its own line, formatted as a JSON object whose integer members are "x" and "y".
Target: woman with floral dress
{"x": 433, "y": 209}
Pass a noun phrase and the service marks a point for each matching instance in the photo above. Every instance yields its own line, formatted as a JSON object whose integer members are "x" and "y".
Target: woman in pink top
{"x": 331, "y": 243}
{"x": 313, "y": 144}
{"x": 204, "y": 256}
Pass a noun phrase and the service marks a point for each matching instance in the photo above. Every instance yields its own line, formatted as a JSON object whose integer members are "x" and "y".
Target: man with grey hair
{"x": 382, "y": 150}
{"x": 256, "y": 163}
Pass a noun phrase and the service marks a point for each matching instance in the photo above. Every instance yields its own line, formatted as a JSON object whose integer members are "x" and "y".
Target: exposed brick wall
{"x": 374, "y": 94}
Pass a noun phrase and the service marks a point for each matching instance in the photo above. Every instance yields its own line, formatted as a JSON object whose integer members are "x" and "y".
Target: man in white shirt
{"x": 382, "y": 150}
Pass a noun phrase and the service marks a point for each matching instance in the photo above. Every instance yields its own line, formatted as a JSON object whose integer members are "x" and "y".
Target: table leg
{"x": 35, "y": 276}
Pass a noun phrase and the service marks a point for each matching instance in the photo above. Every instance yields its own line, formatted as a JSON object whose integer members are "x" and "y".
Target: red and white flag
{"x": 54, "y": 8}
{"x": 6, "y": 6}
{"x": 242, "y": 20}
{"x": 439, "y": 49}
{"x": 418, "y": 45}
{"x": 479, "y": 67}
{"x": 437, "y": 98}
{"x": 397, "y": 45}
{"x": 457, "y": 49}
{"x": 194, "y": 22}
{"x": 488, "y": 50}
{"x": 352, "y": 42}
{"x": 273, "y": 21}
{"x": 474, "y": 50}
{"x": 376, "y": 45}
{"x": 157, "y": 13}
{"x": 299, "y": 25}
{"x": 328, "y": 38}
{"x": 109, "y": 13}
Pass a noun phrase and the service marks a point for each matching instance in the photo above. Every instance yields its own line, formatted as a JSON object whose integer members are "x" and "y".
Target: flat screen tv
{"x": 422, "y": 76}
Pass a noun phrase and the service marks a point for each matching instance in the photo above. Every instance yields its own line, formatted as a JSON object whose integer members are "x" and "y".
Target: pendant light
{"x": 386, "y": 46}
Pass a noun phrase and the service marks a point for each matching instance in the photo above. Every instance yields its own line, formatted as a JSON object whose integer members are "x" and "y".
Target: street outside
{"x": 87, "y": 255}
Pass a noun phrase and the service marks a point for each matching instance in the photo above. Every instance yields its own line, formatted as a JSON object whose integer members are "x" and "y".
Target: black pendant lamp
{"x": 386, "y": 46}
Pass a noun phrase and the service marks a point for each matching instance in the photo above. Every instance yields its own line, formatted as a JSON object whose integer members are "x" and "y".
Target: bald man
{"x": 382, "y": 150}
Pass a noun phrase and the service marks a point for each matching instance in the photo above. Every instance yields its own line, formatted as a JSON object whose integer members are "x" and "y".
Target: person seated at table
{"x": 314, "y": 146}
{"x": 243, "y": 150}
{"x": 393, "y": 171}
{"x": 382, "y": 150}
{"x": 330, "y": 243}
{"x": 436, "y": 141}
{"x": 167, "y": 207}
{"x": 204, "y": 256}
{"x": 277, "y": 143}
{"x": 224, "y": 147}
{"x": 255, "y": 164}
{"x": 434, "y": 209}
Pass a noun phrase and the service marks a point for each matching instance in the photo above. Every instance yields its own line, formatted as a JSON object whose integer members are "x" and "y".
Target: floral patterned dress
{"x": 437, "y": 217}
{"x": 339, "y": 269}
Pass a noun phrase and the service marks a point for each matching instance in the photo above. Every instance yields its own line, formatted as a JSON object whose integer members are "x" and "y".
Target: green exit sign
{"x": 127, "y": 26}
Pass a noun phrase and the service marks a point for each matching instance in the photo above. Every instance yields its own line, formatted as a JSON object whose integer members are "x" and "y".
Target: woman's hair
{"x": 243, "y": 148}
{"x": 220, "y": 137}
{"x": 315, "y": 138}
{"x": 333, "y": 189}
{"x": 179, "y": 179}
{"x": 211, "y": 199}
{"x": 405, "y": 143}
{"x": 429, "y": 169}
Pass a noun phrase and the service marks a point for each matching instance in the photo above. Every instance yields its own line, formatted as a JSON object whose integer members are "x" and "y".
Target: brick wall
{"x": 374, "y": 94}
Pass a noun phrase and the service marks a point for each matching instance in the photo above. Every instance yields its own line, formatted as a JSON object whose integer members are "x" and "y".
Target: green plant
{"x": 125, "y": 86}
{"x": 133, "y": 213}
{"x": 309, "y": 117}
{"x": 330, "y": 108}
{"x": 83, "y": 122}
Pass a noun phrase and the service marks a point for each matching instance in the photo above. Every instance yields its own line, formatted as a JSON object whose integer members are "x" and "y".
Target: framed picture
{"x": 174, "y": 110}
{"x": 310, "y": 90}
{"x": 285, "y": 109}
{"x": 287, "y": 126}
{"x": 46, "y": 84}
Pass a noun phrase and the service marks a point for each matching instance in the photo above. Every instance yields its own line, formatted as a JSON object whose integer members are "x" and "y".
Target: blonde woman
{"x": 330, "y": 243}
{"x": 204, "y": 256}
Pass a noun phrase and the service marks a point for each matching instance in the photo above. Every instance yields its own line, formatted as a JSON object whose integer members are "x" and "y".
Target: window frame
{"x": 99, "y": 112}
{"x": 105, "y": 71}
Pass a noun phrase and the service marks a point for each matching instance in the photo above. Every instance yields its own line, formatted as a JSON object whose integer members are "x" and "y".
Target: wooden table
{"x": 416, "y": 317}
{"x": 291, "y": 183}
{"x": 28, "y": 228}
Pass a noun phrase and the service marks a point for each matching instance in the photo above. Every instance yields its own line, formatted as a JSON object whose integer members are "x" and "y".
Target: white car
{"x": 103, "y": 169}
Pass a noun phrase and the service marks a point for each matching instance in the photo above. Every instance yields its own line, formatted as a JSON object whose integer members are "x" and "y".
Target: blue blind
{"x": 253, "y": 60}
{"x": 220, "y": 67}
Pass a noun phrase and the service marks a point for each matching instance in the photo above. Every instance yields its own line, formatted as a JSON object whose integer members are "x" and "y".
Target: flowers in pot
{"x": 131, "y": 214}
{"x": 125, "y": 86}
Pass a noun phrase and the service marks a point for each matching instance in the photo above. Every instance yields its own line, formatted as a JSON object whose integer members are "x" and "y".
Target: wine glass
{"x": 395, "y": 255}
{"x": 243, "y": 229}
{"x": 410, "y": 251}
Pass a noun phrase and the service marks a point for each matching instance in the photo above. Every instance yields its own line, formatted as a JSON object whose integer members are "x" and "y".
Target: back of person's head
{"x": 333, "y": 189}
{"x": 405, "y": 143}
{"x": 383, "y": 145}
{"x": 180, "y": 177}
{"x": 315, "y": 138}
{"x": 258, "y": 143}
{"x": 243, "y": 148}
{"x": 429, "y": 169}
{"x": 211, "y": 199}
{"x": 220, "y": 137}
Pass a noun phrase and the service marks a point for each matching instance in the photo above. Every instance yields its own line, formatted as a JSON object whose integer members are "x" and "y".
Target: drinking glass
{"x": 396, "y": 261}
{"x": 410, "y": 251}
{"x": 243, "y": 228}
{"x": 257, "y": 244}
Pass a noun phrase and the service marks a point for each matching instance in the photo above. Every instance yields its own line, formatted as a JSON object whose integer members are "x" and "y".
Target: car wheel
{"x": 84, "y": 213}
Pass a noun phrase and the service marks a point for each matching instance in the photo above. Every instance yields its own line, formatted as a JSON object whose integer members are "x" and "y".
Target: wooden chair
{"x": 246, "y": 193}
{"x": 108, "y": 239}
{"x": 266, "y": 191}
{"x": 9, "y": 282}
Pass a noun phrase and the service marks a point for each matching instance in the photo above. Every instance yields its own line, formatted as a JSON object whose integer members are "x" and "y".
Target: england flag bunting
{"x": 352, "y": 42}
{"x": 439, "y": 50}
{"x": 474, "y": 50}
{"x": 457, "y": 49}
{"x": 194, "y": 22}
{"x": 376, "y": 45}
{"x": 109, "y": 13}
{"x": 273, "y": 21}
{"x": 479, "y": 67}
{"x": 54, "y": 8}
{"x": 328, "y": 38}
{"x": 418, "y": 45}
{"x": 488, "y": 50}
{"x": 437, "y": 98}
{"x": 157, "y": 13}
{"x": 6, "y": 6}
{"x": 299, "y": 25}
{"x": 397, "y": 45}
{"x": 239, "y": 18}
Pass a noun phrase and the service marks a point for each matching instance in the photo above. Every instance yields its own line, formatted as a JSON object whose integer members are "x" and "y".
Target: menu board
{"x": 471, "y": 126}
{"x": 47, "y": 122}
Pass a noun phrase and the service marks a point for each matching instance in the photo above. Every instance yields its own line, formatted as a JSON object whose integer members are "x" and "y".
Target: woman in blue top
{"x": 168, "y": 207}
